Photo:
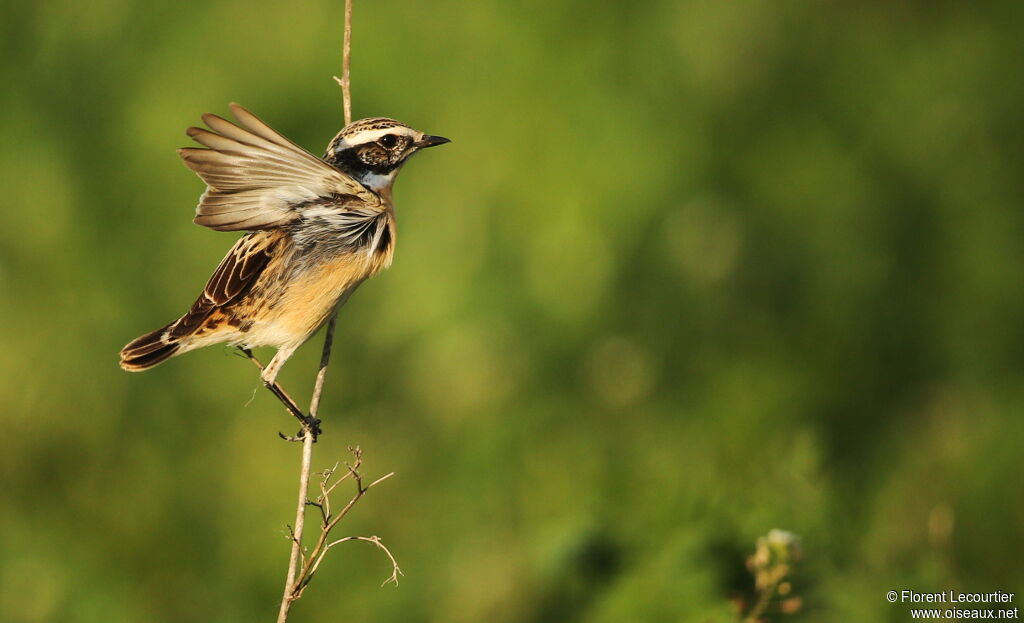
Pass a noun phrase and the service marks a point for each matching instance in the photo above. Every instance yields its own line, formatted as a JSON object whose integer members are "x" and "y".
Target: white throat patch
{"x": 377, "y": 182}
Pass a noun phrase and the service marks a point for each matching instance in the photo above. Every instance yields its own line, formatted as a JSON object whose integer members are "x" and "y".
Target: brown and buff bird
{"x": 317, "y": 229}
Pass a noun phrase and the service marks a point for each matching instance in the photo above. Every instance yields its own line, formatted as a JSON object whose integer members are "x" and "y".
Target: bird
{"x": 316, "y": 228}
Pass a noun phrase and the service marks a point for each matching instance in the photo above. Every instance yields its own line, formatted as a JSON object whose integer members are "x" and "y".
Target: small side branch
{"x": 396, "y": 571}
{"x": 310, "y": 562}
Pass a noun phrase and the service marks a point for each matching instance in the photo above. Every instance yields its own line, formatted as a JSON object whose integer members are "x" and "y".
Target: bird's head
{"x": 373, "y": 150}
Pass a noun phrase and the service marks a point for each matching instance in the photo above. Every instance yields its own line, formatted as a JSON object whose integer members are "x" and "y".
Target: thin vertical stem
{"x": 290, "y": 586}
{"x": 346, "y": 61}
{"x": 300, "y": 520}
{"x": 325, "y": 358}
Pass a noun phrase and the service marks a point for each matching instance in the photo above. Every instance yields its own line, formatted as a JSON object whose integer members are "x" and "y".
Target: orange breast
{"x": 313, "y": 294}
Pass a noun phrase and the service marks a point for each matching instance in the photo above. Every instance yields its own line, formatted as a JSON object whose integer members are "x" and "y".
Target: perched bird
{"x": 317, "y": 229}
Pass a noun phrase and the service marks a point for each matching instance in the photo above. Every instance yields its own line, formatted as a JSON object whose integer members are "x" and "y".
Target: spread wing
{"x": 258, "y": 179}
{"x": 234, "y": 277}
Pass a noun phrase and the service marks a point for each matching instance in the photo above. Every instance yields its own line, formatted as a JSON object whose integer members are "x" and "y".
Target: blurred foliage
{"x": 690, "y": 271}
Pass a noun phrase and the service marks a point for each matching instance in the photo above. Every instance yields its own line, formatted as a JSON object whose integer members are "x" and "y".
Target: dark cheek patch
{"x": 374, "y": 156}
{"x": 358, "y": 162}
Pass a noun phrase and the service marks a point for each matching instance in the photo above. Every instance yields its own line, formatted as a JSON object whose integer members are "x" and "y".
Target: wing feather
{"x": 233, "y": 278}
{"x": 258, "y": 179}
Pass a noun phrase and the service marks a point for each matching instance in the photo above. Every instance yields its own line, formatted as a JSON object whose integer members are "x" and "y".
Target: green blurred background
{"x": 689, "y": 272}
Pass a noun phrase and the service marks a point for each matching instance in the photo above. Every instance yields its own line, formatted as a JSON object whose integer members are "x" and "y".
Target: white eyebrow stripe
{"x": 366, "y": 136}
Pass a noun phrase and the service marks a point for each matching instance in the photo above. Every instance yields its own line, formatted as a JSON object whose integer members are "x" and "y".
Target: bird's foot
{"x": 310, "y": 424}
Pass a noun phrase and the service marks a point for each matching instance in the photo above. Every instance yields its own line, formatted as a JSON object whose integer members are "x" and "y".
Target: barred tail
{"x": 145, "y": 352}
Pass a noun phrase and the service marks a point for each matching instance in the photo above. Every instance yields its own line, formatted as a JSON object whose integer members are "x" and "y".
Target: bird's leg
{"x": 270, "y": 378}
{"x": 268, "y": 374}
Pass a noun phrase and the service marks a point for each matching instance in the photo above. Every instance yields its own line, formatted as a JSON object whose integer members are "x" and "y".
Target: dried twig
{"x": 395, "y": 570}
{"x": 302, "y": 565}
{"x": 346, "y": 57}
{"x": 328, "y": 521}
{"x": 296, "y": 559}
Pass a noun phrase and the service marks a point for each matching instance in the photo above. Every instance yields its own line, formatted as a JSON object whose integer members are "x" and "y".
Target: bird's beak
{"x": 431, "y": 141}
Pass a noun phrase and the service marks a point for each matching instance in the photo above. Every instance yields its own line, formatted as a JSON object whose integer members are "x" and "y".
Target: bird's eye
{"x": 388, "y": 141}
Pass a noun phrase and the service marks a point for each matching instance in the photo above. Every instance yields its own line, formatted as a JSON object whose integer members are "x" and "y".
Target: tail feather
{"x": 147, "y": 351}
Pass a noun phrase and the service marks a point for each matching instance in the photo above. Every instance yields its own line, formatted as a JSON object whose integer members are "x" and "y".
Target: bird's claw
{"x": 309, "y": 423}
{"x": 312, "y": 424}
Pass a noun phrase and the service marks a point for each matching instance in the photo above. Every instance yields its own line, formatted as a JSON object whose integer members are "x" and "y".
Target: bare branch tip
{"x": 380, "y": 480}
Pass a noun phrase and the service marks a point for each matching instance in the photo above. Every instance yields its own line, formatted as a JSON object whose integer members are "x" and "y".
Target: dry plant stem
{"x": 346, "y": 60}
{"x": 293, "y": 585}
{"x": 395, "y": 569}
{"x": 305, "y": 564}
{"x": 321, "y": 374}
{"x": 329, "y": 521}
{"x": 296, "y": 559}
{"x": 300, "y": 518}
